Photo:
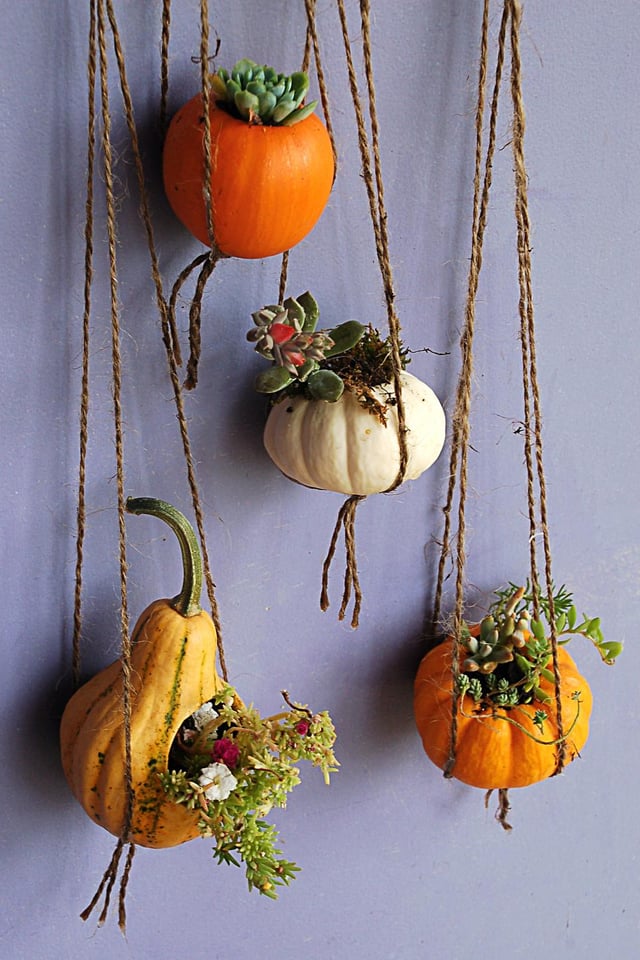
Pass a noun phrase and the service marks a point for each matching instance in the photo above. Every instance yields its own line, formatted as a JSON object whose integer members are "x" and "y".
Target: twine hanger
{"x": 207, "y": 262}
{"x": 369, "y": 146}
{"x": 102, "y": 19}
{"x": 98, "y": 63}
{"x": 508, "y": 36}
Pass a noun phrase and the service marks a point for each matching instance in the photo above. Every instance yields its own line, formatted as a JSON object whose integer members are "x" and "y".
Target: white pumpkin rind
{"x": 342, "y": 447}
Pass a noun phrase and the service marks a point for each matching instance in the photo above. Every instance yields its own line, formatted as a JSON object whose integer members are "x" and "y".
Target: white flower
{"x": 218, "y": 781}
{"x": 203, "y": 715}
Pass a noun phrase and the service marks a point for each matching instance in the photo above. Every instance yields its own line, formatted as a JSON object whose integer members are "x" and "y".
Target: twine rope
{"x": 81, "y": 516}
{"x": 458, "y": 468}
{"x": 526, "y": 311}
{"x": 369, "y": 147}
{"x": 311, "y": 43}
{"x": 167, "y": 338}
{"x": 164, "y": 63}
{"x": 98, "y": 25}
{"x": 510, "y": 22}
{"x": 346, "y": 521}
{"x": 100, "y": 10}
{"x": 212, "y": 258}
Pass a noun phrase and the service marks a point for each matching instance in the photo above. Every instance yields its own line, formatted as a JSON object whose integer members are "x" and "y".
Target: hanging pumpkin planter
{"x": 272, "y": 162}
{"x": 507, "y": 730}
{"x": 201, "y": 762}
{"x": 333, "y": 422}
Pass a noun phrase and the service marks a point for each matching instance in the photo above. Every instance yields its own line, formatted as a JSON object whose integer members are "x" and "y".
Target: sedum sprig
{"x": 253, "y": 770}
{"x": 259, "y": 94}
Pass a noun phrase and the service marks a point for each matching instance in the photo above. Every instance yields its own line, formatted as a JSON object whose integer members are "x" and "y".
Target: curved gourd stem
{"x": 187, "y": 602}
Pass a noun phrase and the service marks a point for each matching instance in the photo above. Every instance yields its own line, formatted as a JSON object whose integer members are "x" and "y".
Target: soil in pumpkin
{"x": 367, "y": 365}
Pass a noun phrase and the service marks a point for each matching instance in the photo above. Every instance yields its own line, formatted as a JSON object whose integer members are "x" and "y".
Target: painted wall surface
{"x": 397, "y": 862}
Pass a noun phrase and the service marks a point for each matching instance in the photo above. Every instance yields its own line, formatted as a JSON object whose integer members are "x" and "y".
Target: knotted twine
{"x": 369, "y": 146}
{"x": 101, "y": 11}
{"x": 532, "y": 423}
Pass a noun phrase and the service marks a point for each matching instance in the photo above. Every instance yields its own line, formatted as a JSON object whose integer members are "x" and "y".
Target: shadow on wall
{"x": 34, "y": 756}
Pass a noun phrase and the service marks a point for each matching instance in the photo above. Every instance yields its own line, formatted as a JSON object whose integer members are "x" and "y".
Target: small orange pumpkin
{"x": 173, "y": 673}
{"x": 499, "y": 748}
{"x": 269, "y": 184}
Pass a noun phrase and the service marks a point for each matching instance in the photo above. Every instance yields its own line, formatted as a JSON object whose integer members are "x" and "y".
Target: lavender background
{"x": 397, "y": 863}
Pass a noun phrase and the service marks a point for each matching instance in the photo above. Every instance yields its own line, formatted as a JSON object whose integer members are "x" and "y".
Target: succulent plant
{"x": 259, "y": 94}
{"x": 509, "y": 651}
{"x": 286, "y": 334}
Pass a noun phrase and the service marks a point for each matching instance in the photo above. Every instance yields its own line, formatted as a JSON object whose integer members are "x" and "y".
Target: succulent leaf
{"x": 325, "y": 385}
{"x": 300, "y": 114}
{"x": 295, "y": 311}
{"x": 259, "y": 94}
{"x": 345, "y": 336}
{"x": 282, "y": 110}
{"x": 246, "y": 103}
{"x": 307, "y": 368}
{"x": 272, "y": 380}
{"x": 299, "y": 84}
{"x": 311, "y": 311}
{"x": 268, "y": 101}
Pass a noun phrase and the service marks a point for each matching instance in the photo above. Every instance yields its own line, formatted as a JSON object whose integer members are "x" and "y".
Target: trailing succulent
{"x": 286, "y": 334}
{"x": 509, "y": 652}
{"x": 230, "y": 766}
{"x": 259, "y": 94}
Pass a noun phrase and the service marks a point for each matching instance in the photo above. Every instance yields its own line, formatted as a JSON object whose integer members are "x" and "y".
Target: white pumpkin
{"x": 343, "y": 447}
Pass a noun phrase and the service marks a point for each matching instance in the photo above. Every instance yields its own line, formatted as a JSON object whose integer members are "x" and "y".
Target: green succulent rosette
{"x": 259, "y": 94}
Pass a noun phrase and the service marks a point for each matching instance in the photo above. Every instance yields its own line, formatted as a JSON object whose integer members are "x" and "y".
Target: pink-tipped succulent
{"x": 286, "y": 334}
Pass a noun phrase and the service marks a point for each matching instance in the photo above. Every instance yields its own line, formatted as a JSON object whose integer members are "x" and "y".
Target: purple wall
{"x": 397, "y": 862}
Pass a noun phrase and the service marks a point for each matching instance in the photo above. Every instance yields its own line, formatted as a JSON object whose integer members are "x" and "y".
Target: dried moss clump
{"x": 369, "y": 364}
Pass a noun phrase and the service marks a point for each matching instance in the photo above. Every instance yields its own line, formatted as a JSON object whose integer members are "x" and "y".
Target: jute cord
{"x": 311, "y": 44}
{"x": 346, "y": 521}
{"x": 526, "y": 311}
{"x": 458, "y": 466}
{"x": 164, "y": 64}
{"x": 97, "y": 42}
{"x": 369, "y": 146}
{"x": 458, "y": 469}
{"x": 98, "y": 39}
{"x": 86, "y": 322}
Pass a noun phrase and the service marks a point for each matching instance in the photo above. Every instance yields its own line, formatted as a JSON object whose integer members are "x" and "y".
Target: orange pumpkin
{"x": 269, "y": 184}
{"x": 499, "y": 748}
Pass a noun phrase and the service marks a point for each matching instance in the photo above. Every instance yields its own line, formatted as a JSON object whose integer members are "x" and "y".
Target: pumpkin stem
{"x": 187, "y": 602}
